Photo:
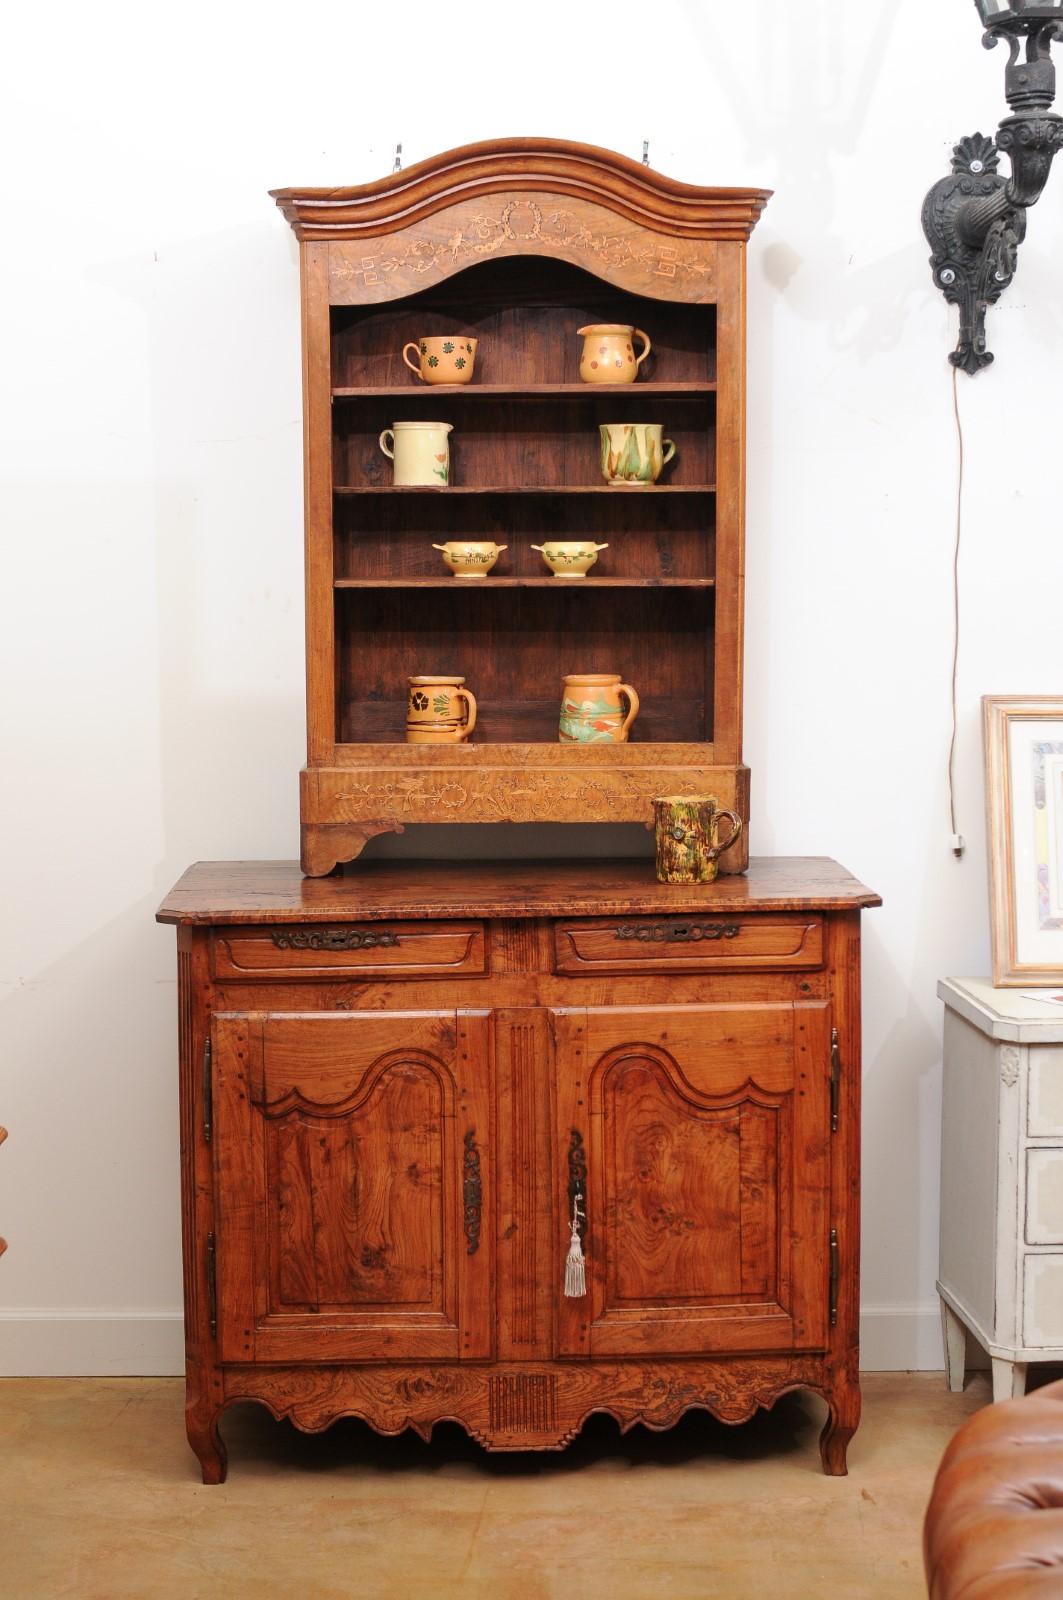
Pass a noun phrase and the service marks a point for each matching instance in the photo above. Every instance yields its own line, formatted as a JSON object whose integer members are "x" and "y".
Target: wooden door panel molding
{"x": 400, "y": 1062}
{"x": 342, "y": 1184}
{"x": 707, "y": 1137}
{"x": 672, "y": 1174}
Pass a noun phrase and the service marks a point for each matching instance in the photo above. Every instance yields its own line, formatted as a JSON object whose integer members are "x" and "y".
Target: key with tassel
{"x": 575, "y": 1272}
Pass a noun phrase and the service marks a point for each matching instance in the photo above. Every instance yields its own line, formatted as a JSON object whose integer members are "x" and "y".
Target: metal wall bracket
{"x": 975, "y": 219}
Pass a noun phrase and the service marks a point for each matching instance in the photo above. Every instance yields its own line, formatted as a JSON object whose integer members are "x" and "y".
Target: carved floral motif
{"x": 524, "y": 225}
{"x": 1009, "y": 1066}
{"x": 503, "y": 796}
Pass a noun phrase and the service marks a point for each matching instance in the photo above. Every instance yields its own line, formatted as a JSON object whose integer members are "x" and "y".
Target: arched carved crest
{"x": 552, "y": 166}
{"x": 599, "y": 210}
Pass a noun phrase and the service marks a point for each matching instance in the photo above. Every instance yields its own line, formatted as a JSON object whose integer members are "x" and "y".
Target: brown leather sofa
{"x": 994, "y": 1525}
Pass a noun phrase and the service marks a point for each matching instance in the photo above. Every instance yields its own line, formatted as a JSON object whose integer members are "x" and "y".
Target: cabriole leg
{"x": 207, "y": 1444}
{"x": 842, "y": 1422}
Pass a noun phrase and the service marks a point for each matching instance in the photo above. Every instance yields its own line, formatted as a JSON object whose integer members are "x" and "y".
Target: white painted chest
{"x": 1000, "y": 1272}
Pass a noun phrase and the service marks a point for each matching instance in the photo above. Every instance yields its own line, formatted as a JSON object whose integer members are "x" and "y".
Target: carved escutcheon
{"x": 472, "y": 1192}
{"x": 577, "y": 1182}
{"x": 677, "y": 932}
{"x": 333, "y": 938}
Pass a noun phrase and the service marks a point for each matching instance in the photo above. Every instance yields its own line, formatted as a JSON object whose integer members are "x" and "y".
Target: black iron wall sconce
{"x": 975, "y": 219}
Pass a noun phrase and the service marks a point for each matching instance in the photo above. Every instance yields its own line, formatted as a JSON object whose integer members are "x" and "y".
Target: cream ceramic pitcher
{"x": 420, "y": 451}
{"x": 633, "y": 453}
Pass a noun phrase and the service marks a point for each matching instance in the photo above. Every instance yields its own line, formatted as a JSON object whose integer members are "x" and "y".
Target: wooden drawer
{"x": 781, "y": 943}
{"x": 368, "y": 949}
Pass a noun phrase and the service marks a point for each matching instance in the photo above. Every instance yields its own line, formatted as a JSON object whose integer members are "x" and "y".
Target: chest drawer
{"x": 367, "y": 949}
{"x": 782, "y": 943}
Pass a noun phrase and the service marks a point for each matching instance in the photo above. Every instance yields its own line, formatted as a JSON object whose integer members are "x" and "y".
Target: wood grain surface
{"x": 577, "y": 237}
{"x": 376, "y": 1161}
{"x": 253, "y": 892}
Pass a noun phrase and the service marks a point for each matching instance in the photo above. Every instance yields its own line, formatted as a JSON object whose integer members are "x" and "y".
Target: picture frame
{"x": 1024, "y": 816}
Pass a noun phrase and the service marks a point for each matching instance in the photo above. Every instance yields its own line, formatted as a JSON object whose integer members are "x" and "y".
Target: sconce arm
{"x": 975, "y": 219}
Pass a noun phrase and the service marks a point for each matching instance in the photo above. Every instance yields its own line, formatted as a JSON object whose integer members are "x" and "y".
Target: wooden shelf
{"x": 527, "y": 391}
{"x": 648, "y": 490}
{"x": 524, "y": 583}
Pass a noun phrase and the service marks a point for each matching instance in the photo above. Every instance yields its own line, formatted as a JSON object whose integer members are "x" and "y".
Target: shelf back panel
{"x": 525, "y": 313}
{"x": 514, "y": 646}
{"x": 664, "y": 536}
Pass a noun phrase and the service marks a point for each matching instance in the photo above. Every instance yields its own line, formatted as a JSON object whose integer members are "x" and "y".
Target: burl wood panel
{"x": 375, "y": 1167}
{"x": 340, "y": 1144}
{"x": 520, "y": 242}
{"x": 678, "y": 1218}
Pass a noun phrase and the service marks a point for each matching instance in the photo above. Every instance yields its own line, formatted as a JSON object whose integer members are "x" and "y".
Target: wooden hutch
{"x": 400, "y": 1079}
{"x": 520, "y": 243}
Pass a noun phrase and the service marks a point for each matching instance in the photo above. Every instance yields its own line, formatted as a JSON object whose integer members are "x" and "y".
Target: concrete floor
{"x": 100, "y": 1500}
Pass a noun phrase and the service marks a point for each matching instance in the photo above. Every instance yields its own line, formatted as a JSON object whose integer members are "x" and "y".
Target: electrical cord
{"x": 957, "y": 838}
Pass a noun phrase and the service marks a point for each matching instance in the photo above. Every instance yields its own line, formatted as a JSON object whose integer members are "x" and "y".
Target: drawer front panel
{"x": 721, "y": 943}
{"x": 368, "y": 949}
{"x": 1045, "y": 1108}
{"x": 1044, "y": 1196}
{"x": 1042, "y": 1302}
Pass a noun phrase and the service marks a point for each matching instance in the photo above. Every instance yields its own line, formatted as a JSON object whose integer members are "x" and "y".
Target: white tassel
{"x": 575, "y": 1275}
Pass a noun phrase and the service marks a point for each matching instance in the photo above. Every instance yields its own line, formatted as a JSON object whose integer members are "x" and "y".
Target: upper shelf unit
{"x": 520, "y": 245}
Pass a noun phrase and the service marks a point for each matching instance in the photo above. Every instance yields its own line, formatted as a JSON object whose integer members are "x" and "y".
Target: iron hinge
{"x": 212, "y": 1285}
{"x": 208, "y": 1093}
{"x": 835, "y": 1079}
{"x": 833, "y": 1277}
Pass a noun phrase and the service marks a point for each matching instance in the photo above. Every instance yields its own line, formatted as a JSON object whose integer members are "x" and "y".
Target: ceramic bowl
{"x": 570, "y": 558}
{"x": 470, "y": 558}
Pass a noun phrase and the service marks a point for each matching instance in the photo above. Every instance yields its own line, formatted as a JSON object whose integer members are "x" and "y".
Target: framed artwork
{"x": 1024, "y": 806}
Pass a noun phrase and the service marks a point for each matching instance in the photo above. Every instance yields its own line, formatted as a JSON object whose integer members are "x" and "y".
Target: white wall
{"x": 150, "y": 438}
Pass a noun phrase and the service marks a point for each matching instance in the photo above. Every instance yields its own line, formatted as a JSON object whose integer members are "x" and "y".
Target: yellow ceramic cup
{"x": 439, "y": 710}
{"x": 421, "y": 453}
{"x": 443, "y": 358}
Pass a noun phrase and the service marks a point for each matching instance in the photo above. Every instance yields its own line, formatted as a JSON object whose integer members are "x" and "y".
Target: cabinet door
{"x": 352, "y": 1170}
{"x": 701, "y": 1137}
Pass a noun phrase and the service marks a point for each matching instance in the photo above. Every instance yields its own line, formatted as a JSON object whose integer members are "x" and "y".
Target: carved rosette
{"x": 1009, "y": 1066}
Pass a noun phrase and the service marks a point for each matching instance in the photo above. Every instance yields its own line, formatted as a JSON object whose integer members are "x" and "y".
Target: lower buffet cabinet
{"x": 398, "y": 1087}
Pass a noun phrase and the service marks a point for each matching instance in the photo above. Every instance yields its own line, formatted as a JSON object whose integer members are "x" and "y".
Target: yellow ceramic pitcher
{"x": 609, "y": 353}
{"x": 592, "y": 709}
